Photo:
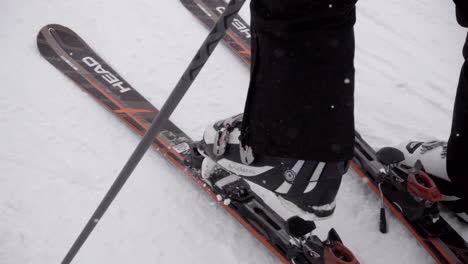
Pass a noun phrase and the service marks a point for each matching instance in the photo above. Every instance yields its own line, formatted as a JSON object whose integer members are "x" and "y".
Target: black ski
{"x": 445, "y": 245}
{"x": 289, "y": 240}
{"x": 237, "y": 38}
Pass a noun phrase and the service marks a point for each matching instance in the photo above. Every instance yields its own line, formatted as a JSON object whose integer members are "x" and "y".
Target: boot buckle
{"x": 219, "y": 146}
{"x": 246, "y": 154}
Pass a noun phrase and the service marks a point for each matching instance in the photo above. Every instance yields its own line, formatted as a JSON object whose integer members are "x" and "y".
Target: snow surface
{"x": 60, "y": 151}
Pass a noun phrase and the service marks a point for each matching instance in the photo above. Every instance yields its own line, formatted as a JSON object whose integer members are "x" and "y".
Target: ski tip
{"x": 54, "y": 35}
{"x": 41, "y": 39}
{"x": 52, "y": 27}
{"x": 48, "y": 27}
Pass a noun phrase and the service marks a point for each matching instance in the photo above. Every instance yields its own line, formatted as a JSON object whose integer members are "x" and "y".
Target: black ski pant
{"x": 300, "y": 101}
{"x": 457, "y": 156}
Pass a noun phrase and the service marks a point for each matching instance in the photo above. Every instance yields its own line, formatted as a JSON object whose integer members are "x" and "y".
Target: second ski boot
{"x": 309, "y": 185}
{"x": 432, "y": 158}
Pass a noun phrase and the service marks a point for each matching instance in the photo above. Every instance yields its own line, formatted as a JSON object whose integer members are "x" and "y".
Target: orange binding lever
{"x": 421, "y": 185}
{"x": 338, "y": 254}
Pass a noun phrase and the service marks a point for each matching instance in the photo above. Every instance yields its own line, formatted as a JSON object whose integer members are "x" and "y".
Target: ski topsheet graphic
{"x": 442, "y": 242}
{"x": 289, "y": 240}
{"x": 238, "y": 35}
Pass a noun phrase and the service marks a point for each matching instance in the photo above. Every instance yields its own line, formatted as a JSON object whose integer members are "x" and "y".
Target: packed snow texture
{"x": 60, "y": 150}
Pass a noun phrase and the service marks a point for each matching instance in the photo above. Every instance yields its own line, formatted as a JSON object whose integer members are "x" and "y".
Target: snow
{"x": 60, "y": 151}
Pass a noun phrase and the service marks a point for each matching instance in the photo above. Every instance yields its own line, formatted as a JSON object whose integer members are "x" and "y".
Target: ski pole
{"x": 208, "y": 46}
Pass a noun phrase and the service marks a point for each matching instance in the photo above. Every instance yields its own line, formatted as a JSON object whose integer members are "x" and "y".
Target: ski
{"x": 445, "y": 245}
{"x": 237, "y": 37}
{"x": 291, "y": 240}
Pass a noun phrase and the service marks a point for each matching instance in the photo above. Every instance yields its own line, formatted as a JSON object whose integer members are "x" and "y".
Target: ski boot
{"x": 292, "y": 239}
{"x": 432, "y": 157}
{"x": 304, "y": 185}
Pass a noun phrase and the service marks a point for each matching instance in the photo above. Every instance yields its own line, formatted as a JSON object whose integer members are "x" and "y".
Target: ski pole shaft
{"x": 159, "y": 122}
